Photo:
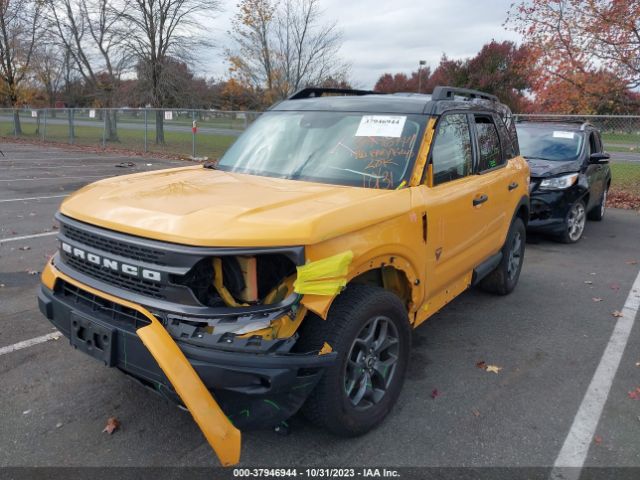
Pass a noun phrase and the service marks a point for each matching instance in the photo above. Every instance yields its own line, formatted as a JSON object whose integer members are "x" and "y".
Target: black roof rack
{"x": 310, "y": 92}
{"x": 448, "y": 93}
{"x": 551, "y": 119}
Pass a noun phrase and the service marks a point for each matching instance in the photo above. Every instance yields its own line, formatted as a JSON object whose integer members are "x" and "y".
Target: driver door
{"x": 456, "y": 201}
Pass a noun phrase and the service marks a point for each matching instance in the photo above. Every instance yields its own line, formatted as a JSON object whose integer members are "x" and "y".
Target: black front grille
{"x": 121, "y": 280}
{"x": 144, "y": 254}
{"x": 106, "y": 310}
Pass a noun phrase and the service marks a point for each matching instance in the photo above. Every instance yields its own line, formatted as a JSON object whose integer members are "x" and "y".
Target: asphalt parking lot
{"x": 548, "y": 337}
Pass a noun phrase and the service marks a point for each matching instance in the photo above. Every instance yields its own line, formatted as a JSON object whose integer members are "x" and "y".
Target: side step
{"x": 485, "y": 268}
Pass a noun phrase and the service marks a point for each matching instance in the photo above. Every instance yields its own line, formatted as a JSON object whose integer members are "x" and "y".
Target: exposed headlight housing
{"x": 559, "y": 183}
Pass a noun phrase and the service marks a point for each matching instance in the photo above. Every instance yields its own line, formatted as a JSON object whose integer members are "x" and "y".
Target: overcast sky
{"x": 393, "y": 35}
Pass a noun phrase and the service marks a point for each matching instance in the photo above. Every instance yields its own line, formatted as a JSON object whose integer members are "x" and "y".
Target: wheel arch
{"x": 391, "y": 272}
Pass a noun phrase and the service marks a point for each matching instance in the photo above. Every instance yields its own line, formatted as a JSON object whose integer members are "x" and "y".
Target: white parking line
{"x": 574, "y": 451}
{"x": 47, "y": 178}
{"x": 40, "y": 159}
{"x": 30, "y": 342}
{"x": 31, "y": 198}
{"x": 26, "y": 237}
{"x": 50, "y": 167}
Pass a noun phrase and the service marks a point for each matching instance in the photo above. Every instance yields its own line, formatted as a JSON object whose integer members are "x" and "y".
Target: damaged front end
{"x": 192, "y": 323}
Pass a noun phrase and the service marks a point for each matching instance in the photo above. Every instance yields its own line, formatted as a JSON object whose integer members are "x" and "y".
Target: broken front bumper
{"x": 254, "y": 390}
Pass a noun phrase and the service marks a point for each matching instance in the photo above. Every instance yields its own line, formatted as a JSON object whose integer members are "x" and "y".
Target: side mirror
{"x": 599, "y": 157}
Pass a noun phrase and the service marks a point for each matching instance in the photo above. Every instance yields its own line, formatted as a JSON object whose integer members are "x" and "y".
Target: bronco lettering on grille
{"x": 111, "y": 264}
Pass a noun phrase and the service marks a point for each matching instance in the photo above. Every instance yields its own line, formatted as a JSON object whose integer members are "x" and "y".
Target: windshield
{"x": 342, "y": 148}
{"x": 549, "y": 143}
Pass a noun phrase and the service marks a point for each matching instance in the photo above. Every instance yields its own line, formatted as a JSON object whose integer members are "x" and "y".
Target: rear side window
{"x": 452, "y": 155}
{"x": 488, "y": 143}
{"x": 507, "y": 140}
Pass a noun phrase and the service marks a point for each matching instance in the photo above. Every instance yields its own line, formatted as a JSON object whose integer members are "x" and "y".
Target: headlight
{"x": 559, "y": 183}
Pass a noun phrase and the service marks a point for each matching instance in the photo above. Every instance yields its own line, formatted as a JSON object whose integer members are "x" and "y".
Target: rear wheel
{"x": 597, "y": 213}
{"x": 505, "y": 276}
{"x": 369, "y": 329}
{"x": 575, "y": 223}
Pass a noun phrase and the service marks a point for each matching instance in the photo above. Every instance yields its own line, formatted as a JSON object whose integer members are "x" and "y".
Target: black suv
{"x": 570, "y": 176}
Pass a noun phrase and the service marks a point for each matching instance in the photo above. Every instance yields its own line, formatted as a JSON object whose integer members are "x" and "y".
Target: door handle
{"x": 480, "y": 200}
{"x": 513, "y": 186}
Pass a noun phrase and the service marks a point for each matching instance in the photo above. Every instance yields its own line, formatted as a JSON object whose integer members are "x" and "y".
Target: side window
{"x": 452, "y": 154}
{"x": 488, "y": 143}
{"x": 594, "y": 145}
{"x": 508, "y": 148}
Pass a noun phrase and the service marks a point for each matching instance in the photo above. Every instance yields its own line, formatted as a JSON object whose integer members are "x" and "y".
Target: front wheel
{"x": 575, "y": 223}
{"x": 369, "y": 329}
{"x": 505, "y": 277}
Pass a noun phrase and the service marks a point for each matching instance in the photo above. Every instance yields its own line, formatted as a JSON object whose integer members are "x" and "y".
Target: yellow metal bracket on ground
{"x": 324, "y": 277}
{"x": 223, "y": 437}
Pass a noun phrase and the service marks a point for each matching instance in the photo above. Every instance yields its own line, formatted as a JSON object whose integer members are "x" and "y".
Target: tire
{"x": 575, "y": 223}
{"x": 597, "y": 213}
{"x": 504, "y": 278}
{"x": 333, "y": 403}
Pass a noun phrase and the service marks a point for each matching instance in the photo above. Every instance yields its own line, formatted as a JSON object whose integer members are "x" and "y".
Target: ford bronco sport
{"x": 291, "y": 272}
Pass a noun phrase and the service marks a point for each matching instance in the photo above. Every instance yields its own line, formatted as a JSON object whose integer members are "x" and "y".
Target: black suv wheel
{"x": 575, "y": 223}
{"x": 368, "y": 328}
{"x": 597, "y": 213}
{"x": 505, "y": 276}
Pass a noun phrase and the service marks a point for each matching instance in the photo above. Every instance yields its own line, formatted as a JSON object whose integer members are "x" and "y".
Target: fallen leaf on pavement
{"x": 475, "y": 412}
{"x": 617, "y": 314}
{"x": 597, "y": 439}
{"x": 588, "y": 282}
{"x": 493, "y": 368}
{"x": 596, "y": 299}
{"x": 481, "y": 365}
{"x": 112, "y": 425}
{"x": 435, "y": 393}
{"x": 615, "y": 286}
{"x": 632, "y": 262}
{"x": 59, "y": 424}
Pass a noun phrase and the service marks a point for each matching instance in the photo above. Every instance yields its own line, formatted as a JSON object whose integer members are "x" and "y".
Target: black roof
{"x": 346, "y": 100}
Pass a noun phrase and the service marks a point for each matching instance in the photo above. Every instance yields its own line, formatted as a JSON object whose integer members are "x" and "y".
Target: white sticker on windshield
{"x": 381, "y": 126}
{"x": 560, "y": 134}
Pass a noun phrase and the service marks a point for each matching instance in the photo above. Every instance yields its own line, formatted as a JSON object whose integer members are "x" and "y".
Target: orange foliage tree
{"x": 587, "y": 52}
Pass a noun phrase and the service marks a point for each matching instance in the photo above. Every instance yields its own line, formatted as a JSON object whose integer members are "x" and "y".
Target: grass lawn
{"x": 620, "y": 138}
{"x": 179, "y": 143}
{"x": 626, "y": 177}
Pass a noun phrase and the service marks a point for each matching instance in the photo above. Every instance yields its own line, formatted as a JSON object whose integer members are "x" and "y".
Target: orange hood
{"x": 197, "y": 206}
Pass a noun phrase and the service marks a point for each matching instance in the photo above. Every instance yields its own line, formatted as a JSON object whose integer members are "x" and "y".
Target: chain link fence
{"x": 189, "y": 133}
{"x": 207, "y": 134}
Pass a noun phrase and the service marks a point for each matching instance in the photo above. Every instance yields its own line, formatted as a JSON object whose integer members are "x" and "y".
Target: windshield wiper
{"x": 356, "y": 171}
{"x": 298, "y": 171}
{"x": 538, "y": 158}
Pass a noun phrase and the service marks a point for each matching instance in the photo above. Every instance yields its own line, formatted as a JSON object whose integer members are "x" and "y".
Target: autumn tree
{"x": 500, "y": 68}
{"x": 583, "y": 46}
{"x": 400, "y": 82}
{"x": 162, "y": 30}
{"x": 93, "y": 34}
{"x": 280, "y": 47}
{"x": 19, "y": 34}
